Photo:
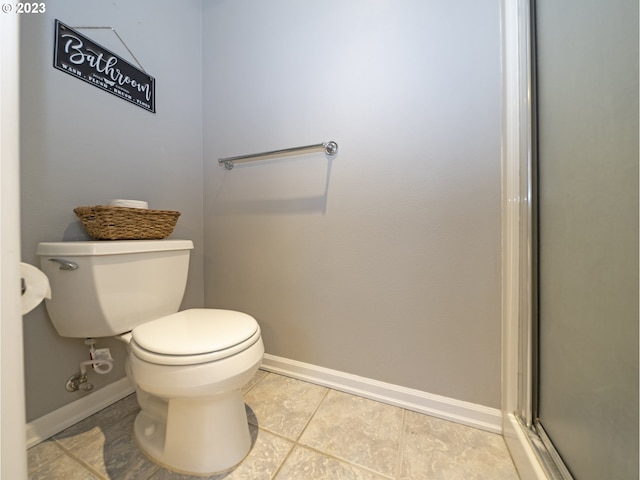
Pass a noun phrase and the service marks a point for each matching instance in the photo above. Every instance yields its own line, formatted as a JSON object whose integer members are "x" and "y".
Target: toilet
{"x": 188, "y": 367}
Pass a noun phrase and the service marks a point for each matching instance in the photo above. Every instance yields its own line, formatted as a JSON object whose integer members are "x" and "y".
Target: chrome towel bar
{"x": 330, "y": 148}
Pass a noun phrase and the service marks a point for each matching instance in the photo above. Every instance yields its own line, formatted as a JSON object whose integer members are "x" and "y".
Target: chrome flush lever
{"x": 64, "y": 264}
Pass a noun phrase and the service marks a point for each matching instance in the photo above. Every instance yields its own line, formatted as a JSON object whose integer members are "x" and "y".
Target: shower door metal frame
{"x": 531, "y": 449}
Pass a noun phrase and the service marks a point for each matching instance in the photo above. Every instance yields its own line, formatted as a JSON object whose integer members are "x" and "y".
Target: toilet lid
{"x": 195, "y": 332}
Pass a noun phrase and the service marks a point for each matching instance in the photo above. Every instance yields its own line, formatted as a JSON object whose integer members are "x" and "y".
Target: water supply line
{"x": 101, "y": 362}
{"x": 101, "y": 359}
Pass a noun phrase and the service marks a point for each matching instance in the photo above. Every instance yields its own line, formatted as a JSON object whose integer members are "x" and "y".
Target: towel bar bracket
{"x": 330, "y": 148}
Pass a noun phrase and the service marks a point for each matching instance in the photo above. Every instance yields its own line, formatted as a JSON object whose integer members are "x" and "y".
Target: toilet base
{"x": 200, "y": 436}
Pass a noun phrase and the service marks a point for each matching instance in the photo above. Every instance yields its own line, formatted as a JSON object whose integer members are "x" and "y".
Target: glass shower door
{"x": 587, "y": 155}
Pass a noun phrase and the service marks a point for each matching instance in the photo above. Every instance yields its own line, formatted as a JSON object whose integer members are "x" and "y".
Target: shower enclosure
{"x": 586, "y": 402}
{"x": 578, "y": 313}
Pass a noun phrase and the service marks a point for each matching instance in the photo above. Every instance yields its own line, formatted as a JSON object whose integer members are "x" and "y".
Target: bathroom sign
{"x": 84, "y": 59}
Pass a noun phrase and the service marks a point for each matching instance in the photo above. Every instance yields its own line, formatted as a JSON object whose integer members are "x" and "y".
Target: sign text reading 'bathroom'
{"x": 84, "y": 59}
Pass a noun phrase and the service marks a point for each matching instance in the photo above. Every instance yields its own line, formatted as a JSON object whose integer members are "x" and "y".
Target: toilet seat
{"x": 194, "y": 336}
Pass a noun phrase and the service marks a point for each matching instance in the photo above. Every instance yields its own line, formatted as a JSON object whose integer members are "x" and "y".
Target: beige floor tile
{"x": 339, "y": 436}
{"x": 435, "y": 449}
{"x": 266, "y": 455}
{"x": 305, "y": 464}
{"x": 114, "y": 454}
{"x": 43, "y": 453}
{"x": 86, "y": 430}
{"x": 80, "y": 439}
{"x": 260, "y": 374}
{"x": 357, "y": 430}
{"x": 62, "y": 468}
{"x": 283, "y": 405}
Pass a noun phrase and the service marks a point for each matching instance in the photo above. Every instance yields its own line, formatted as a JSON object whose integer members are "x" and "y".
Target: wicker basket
{"x": 123, "y": 223}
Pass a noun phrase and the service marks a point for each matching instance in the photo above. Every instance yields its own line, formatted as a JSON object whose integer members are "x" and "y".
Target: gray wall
{"x": 385, "y": 261}
{"x": 82, "y": 146}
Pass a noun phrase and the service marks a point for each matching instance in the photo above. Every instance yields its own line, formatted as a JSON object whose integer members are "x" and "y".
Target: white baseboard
{"x": 471, "y": 414}
{"x": 466, "y": 413}
{"x": 44, "y": 427}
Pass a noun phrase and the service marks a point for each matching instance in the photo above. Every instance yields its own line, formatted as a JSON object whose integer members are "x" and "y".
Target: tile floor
{"x": 300, "y": 431}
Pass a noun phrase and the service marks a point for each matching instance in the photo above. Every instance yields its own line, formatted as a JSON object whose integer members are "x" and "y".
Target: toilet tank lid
{"x": 111, "y": 247}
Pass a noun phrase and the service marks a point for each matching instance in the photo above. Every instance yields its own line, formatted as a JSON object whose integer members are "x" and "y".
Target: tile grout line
{"x": 296, "y": 443}
{"x": 284, "y": 460}
{"x": 91, "y": 468}
{"x": 37, "y": 467}
{"x": 344, "y": 460}
{"x": 327, "y": 454}
{"x": 313, "y": 414}
{"x": 244, "y": 392}
{"x": 69, "y": 454}
{"x": 401, "y": 445}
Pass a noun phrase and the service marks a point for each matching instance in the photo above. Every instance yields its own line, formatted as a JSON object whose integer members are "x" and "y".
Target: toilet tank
{"x": 116, "y": 286}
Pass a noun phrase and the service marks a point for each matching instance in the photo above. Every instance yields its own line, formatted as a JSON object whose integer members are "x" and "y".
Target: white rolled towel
{"x": 128, "y": 203}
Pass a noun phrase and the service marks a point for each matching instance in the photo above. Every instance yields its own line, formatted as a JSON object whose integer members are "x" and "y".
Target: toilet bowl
{"x": 198, "y": 361}
{"x": 188, "y": 367}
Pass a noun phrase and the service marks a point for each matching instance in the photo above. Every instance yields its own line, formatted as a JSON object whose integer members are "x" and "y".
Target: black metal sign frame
{"x": 84, "y": 59}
